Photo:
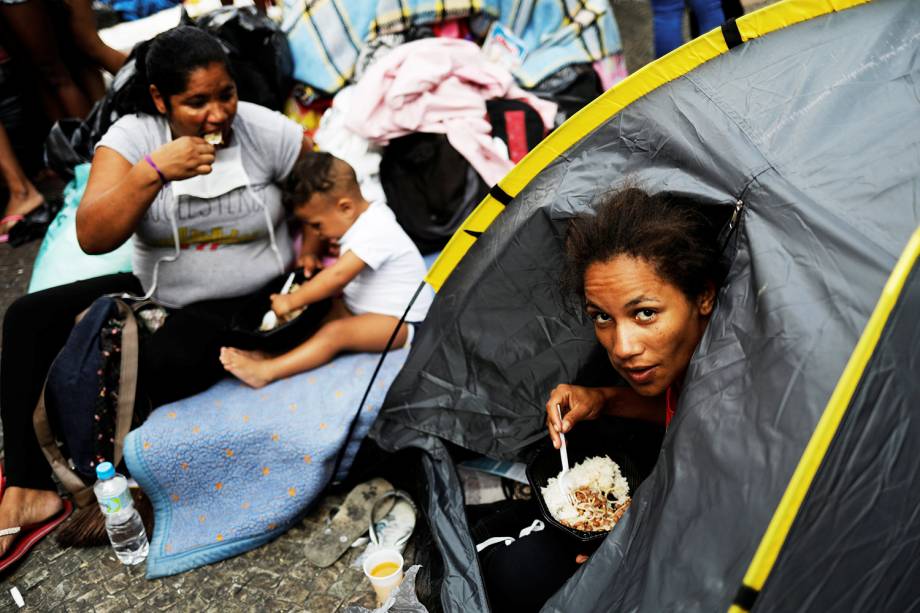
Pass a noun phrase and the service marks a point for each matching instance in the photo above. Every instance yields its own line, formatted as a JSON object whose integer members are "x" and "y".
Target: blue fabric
{"x": 60, "y": 259}
{"x": 326, "y": 39}
{"x": 130, "y": 10}
{"x": 233, "y": 467}
{"x": 557, "y": 33}
{"x": 668, "y": 20}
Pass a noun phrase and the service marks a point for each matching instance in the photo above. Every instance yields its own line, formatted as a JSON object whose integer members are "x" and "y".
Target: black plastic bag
{"x": 430, "y": 187}
{"x": 259, "y": 53}
{"x": 71, "y": 141}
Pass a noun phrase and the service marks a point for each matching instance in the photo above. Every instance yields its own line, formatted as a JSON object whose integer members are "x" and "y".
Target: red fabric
{"x": 670, "y": 400}
{"x": 517, "y": 135}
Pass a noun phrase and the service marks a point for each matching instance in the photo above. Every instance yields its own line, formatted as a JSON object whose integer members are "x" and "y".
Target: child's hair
{"x": 318, "y": 172}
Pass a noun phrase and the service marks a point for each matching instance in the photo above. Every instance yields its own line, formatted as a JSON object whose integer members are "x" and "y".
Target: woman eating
{"x": 646, "y": 269}
{"x": 192, "y": 178}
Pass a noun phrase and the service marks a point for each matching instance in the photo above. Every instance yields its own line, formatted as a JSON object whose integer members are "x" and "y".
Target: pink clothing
{"x": 439, "y": 85}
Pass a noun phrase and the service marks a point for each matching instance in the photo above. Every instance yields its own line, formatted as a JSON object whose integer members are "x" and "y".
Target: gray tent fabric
{"x": 814, "y": 131}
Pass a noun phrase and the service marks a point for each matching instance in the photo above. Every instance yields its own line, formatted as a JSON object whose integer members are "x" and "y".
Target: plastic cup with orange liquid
{"x": 384, "y": 569}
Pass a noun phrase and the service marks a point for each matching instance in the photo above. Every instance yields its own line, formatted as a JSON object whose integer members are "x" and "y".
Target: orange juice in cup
{"x": 384, "y": 569}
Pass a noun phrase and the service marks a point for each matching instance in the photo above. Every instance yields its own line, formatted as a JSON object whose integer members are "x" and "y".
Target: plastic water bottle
{"x": 122, "y": 521}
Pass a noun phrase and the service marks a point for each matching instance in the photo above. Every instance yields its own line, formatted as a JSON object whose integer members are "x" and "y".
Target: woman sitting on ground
{"x": 193, "y": 179}
{"x": 646, "y": 269}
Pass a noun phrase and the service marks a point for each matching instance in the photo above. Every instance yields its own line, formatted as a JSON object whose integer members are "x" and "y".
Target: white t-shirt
{"x": 394, "y": 266}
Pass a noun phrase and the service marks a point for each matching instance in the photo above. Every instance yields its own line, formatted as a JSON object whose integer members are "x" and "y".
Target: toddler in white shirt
{"x": 377, "y": 272}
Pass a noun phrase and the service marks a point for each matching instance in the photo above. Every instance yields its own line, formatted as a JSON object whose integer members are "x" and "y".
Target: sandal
{"x": 29, "y": 535}
{"x": 34, "y": 224}
{"x": 326, "y": 546}
{"x": 13, "y": 219}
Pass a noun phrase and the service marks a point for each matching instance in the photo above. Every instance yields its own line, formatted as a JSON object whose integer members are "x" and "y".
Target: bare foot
{"x": 250, "y": 367}
{"x": 23, "y": 507}
{"x": 21, "y": 203}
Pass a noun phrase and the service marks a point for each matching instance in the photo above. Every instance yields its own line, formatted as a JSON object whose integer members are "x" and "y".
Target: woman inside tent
{"x": 195, "y": 168}
{"x": 646, "y": 269}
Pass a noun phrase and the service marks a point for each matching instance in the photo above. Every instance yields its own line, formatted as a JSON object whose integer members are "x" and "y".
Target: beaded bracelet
{"x": 153, "y": 165}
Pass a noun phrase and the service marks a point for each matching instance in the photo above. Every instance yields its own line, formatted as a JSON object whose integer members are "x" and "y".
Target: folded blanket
{"x": 233, "y": 467}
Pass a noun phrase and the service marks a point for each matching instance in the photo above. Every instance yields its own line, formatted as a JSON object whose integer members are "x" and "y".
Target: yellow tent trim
{"x": 650, "y": 77}
{"x": 821, "y": 438}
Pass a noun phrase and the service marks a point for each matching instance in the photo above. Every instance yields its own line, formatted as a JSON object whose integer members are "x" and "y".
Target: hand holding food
{"x": 183, "y": 158}
{"x": 578, "y": 403}
{"x": 281, "y": 304}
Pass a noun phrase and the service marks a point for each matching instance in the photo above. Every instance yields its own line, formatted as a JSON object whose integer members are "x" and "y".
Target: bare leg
{"x": 35, "y": 43}
{"x": 23, "y": 507}
{"x": 368, "y": 332}
{"x": 86, "y": 35}
{"x": 23, "y": 195}
{"x": 90, "y": 80}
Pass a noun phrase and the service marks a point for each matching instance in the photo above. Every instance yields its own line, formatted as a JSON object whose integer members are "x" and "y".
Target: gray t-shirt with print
{"x": 225, "y": 247}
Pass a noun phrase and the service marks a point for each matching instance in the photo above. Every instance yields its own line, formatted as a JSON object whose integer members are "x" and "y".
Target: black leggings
{"x": 179, "y": 360}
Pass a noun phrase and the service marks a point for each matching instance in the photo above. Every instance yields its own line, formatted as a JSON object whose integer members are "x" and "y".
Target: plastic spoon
{"x": 270, "y": 320}
{"x": 564, "y": 457}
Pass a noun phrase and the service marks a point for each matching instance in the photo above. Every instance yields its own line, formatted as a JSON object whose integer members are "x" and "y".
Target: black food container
{"x": 244, "y": 327}
{"x": 586, "y": 440}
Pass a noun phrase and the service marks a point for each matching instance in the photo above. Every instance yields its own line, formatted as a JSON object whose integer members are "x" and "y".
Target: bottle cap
{"x": 105, "y": 471}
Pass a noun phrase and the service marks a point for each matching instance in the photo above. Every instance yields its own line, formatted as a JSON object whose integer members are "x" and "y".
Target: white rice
{"x": 598, "y": 473}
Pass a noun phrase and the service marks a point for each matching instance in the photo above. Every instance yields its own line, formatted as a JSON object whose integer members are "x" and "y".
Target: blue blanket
{"x": 233, "y": 467}
{"x": 326, "y": 37}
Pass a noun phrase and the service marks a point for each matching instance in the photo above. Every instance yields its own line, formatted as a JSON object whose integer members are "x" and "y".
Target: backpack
{"x": 89, "y": 395}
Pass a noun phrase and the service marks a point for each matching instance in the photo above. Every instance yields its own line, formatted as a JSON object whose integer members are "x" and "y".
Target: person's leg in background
{"x": 86, "y": 37}
{"x": 24, "y": 197}
{"x": 667, "y": 19}
{"x": 708, "y": 13}
{"x": 35, "y": 328}
{"x": 35, "y": 43}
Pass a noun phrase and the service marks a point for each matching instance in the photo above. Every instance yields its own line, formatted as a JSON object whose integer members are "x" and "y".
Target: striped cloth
{"x": 326, "y": 36}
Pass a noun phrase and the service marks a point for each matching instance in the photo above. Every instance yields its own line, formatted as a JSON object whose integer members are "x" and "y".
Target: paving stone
{"x": 321, "y": 603}
{"x": 263, "y": 580}
{"x": 293, "y": 591}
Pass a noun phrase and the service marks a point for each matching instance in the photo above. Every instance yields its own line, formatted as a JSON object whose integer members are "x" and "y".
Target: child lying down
{"x": 378, "y": 270}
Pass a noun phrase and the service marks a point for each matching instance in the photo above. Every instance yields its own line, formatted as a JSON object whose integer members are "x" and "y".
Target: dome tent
{"x": 790, "y": 475}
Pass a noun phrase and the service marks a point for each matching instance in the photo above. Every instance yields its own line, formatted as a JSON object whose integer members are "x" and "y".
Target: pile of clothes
{"x": 434, "y": 102}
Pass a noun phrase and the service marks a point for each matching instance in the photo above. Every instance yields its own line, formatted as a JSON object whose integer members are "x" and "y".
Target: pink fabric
{"x": 439, "y": 85}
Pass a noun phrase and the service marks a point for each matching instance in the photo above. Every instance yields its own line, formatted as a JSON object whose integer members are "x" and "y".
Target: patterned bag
{"x": 89, "y": 395}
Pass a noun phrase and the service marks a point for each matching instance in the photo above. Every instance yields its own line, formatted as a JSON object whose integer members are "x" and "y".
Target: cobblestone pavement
{"x": 271, "y": 578}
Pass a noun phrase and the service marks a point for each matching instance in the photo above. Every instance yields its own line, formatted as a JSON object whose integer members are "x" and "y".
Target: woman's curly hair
{"x": 670, "y": 232}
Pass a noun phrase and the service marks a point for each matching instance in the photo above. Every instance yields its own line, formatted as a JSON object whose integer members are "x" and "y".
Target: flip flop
{"x": 393, "y": 530}
{"x": 30, "y": 535}
{"x": 326, "y": 546}
{"x": 14, "y": 219}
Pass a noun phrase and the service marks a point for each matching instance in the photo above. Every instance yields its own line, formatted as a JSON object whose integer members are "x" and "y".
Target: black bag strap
{"x": 127, "y": 391}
